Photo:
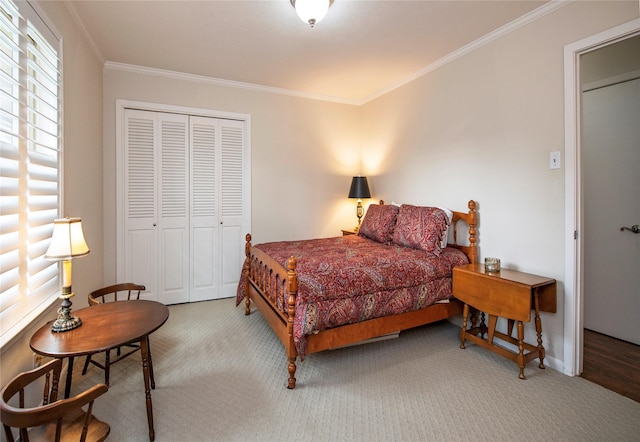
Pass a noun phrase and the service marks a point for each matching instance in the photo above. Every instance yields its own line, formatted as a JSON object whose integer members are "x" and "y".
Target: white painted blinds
{"x": 30, "y": 154}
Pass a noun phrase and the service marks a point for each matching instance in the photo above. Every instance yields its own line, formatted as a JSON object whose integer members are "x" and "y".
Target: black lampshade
{"x": 359, "y": 188}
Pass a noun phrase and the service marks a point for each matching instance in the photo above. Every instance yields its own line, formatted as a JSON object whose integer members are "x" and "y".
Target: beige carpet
{"x": 221, "y": 376}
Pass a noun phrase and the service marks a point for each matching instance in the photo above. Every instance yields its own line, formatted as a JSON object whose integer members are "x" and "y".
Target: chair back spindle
{"x": 54, "y": 419}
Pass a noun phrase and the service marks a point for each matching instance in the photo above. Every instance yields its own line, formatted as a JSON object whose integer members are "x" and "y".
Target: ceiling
{"x": 358, "y": 51}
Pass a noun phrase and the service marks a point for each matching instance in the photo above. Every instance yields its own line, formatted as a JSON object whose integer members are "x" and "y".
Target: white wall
{"x": 492, "y": 116}
{"x": 303, "y": 153}
{"x": 82, "y": 95}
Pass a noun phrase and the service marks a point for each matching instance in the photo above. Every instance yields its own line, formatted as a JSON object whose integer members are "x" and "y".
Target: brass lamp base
{"x": 359, "y": 214}
{"x": 65, "y": 321}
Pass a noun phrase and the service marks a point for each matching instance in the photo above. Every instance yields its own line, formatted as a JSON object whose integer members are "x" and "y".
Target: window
{"x": 30, "y": 155}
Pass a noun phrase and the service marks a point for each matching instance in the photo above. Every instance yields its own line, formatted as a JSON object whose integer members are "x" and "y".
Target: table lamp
{"x": 67, "y": 242}
{"x": 359, "y": 189}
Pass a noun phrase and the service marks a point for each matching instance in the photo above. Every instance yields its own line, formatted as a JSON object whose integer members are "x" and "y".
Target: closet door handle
{"x": 635, "y": 228}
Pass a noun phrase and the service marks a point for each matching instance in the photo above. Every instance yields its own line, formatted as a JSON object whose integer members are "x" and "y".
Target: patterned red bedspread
{"x": 348, "y": 279}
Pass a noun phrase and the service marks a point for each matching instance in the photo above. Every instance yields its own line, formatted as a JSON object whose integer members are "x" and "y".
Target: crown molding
{"x": 526, "y": 19}
{"x": 83, "y": 30}
{"x": 221, "y": 82}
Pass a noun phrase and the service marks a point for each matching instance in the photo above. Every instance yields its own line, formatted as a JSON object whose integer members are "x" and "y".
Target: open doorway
{"x": 610, "y": 158}
{"x": 575, "y": 247}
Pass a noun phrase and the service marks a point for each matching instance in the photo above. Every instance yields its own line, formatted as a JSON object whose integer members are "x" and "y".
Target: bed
{"x": 395, "y": 274}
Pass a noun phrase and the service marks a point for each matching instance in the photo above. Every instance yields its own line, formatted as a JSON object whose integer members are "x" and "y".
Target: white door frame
{"x": 573, "y": 284}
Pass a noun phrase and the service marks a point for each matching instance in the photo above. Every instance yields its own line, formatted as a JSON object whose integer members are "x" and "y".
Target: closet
{"x": 183, "y": 204}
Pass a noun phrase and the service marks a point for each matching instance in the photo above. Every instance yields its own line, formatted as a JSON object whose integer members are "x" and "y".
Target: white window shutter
{"x": 30, "y": 154}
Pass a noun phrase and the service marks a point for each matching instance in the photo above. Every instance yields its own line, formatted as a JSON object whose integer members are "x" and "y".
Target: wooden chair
{"x": 113, "y": 293}
{"x": 54, "y": 420}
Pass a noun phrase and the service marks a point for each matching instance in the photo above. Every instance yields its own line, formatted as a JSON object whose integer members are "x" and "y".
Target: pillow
{"x": 421, "y": 228}
{"x": 379, "y": 222}
{"x": 445, "y": 237}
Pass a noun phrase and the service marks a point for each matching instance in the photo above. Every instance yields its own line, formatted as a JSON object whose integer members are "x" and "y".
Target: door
{"x": 156, "y": 204}
{"x": 205, "y": 173}
{"x": 185, "y": 204}
{"x": 234, "y": 192}
{"x": 611, "y": 165}
{"x": 173, "y": 208}
{"x": 138, "y": 255}
{"x": 218, "y": 195}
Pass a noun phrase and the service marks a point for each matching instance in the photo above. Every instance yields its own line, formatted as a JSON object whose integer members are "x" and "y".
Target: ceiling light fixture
{"x": 311, "y": 11}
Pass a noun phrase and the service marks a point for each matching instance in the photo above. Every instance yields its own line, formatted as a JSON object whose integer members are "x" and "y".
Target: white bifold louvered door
{"x": 139, "y": 250}
{"x": 205, "y": 177}
{"x": 173, "y": 208}
{"x": 231, "y": 208}
{"x": 183, "y": 205}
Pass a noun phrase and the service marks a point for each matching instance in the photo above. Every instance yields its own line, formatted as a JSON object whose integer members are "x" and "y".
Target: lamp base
{"x": 359, "y": 214}
{"x": 65, "y": 321}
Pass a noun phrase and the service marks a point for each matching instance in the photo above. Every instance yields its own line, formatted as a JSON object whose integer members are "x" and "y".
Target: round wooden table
{"x": 105, "y": 327}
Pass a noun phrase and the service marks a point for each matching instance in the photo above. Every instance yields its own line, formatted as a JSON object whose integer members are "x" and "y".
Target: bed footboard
{"x": 273, "y": 290}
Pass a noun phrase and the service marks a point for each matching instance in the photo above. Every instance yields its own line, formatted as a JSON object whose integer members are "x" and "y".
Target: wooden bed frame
{"x": 266, "y": 280}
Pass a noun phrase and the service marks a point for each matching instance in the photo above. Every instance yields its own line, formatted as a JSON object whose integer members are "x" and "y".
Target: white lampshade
{"x": 67, "y": 240}
{"x": 311, "y": 11}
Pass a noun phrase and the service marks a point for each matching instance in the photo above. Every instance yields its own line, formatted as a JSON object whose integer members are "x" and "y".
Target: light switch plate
{"x": 554, "y": 160}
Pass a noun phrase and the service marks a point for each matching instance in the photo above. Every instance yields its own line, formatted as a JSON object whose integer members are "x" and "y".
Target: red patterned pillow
{"x": 421, "y": 228}
{"x": 379, "y": 222}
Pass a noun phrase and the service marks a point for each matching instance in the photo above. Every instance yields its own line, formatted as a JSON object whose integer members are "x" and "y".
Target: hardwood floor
{"x": 612, "y": 363}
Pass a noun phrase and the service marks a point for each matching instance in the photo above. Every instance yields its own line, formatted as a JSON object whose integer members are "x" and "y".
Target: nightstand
{"x": 508, "y": 294}
{"x": 349, "y": 232}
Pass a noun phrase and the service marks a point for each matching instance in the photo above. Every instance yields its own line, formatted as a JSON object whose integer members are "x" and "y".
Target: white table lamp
{"x": 67, "y": 242}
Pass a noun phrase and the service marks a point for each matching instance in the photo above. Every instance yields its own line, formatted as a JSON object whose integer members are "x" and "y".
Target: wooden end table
{"x": 508, "y": 294}
{"x": 105, "y": 327}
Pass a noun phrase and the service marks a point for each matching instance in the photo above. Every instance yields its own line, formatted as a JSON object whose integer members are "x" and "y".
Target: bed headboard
{"x": 470, "y": 221}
